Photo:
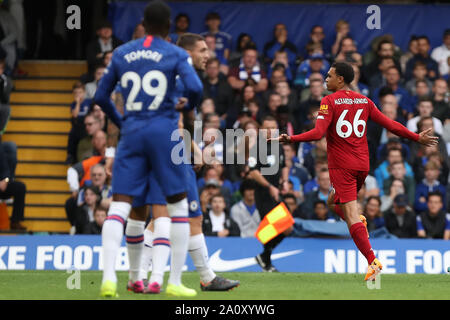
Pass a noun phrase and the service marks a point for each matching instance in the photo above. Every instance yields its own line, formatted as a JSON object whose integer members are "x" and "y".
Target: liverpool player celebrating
{"x": 343, "y": 117}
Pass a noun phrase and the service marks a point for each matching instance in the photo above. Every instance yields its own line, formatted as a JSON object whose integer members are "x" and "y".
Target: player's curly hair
{"x": 344, "y": 70}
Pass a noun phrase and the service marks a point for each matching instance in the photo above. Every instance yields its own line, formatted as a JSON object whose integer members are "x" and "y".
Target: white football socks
{"x": 161, "y": 249}
{"x": 179, "y": 238}
{"x": 199, "y": 255}
{"x": 134, "y": 236}
{"x": 112, "y": 233}
{"x": 147, "y": 254}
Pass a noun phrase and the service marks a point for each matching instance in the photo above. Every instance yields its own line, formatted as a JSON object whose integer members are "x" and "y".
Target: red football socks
{"x": 359, "y": 235}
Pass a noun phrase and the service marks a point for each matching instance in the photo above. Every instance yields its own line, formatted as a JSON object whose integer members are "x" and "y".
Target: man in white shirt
{"x": 425, "y": 109}
{"x": 441, "y": 53}
{"x": 245, "y": 212}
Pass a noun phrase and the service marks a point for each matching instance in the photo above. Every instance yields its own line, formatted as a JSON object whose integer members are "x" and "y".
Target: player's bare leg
{"x": 359, "y": 234}
{"x": 112, "y": 232}
{"x": 134, "y": 234}
{"x": 198, "y": 251}
{"x": 336, "y": 208}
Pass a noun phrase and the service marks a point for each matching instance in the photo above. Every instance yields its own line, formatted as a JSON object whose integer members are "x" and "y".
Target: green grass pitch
{"x": 53, "y": 285}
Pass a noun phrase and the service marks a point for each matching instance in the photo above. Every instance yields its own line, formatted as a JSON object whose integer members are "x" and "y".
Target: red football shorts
{"x": 346, "y": 183}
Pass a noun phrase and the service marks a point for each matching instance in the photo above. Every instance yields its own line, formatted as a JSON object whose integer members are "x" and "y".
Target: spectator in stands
{"x": 306, "y": 92}
{"x": 321, "y": 212}
{"x": 216, "y": 86}
{"x": 182, "y": 23}
{"x": 312, "y": 184}
{"x": 317, "y": 37}
{"x": 95, "y": 227}
{"x": 348, "y": 52}
{"x": 279, "y": 42}
{"x": 8, "y": 39}
{"x": 296, "y": 169}
{"x": 139, "y": 31}
{"x": 342, "y": 28}
{"x": 293, "y": 206}
{"x": 399, "y": 219}
{"x": 91, "y": 87}
{"x": 428, "y": 123}
{"x": 397, "y": 187}
{"x": 281, "y": 60}
{"x": 249, "y": 71}
{"x": 97, "y": 146}
{"x": 317, "y": 93}
{"x": 423, "y": 55}
{"x": 397, "y": 171}
{"x": 425, "y": 109}
{"x": 382, "y": 171}
{"x": 434, "y": 223}
{"x": 422, "y": 91}
{"x": 441, "y": 100}
{"x": 356, "y": 85}
{"x": 419, "y": 73}
{"x": 430, "y": 154}
{"x": 288, "y": 97}
{"x": 273, "y": 103}
{"x": 392, "y": 76}
{"x": 79, "y": 109}
{"x": 442, "y": 53}
{"x": 243, "y": 40}
{"x": 429, "y": 184}
{"x": 373, "y": 214}
{"x": 92, "y": 126}
{"x": 217, "y": 222}
{"x": 223, "y": 40}
{"x": 370, "y": 188}
{"x": 384, "y": 49}
{"x": 105, "y": 41}
{"x": 12, "y": 188}
{"x": 413, "y": 49}
{"x": 321, "y": 193}
{"x": 393, "y": 142}
{"x": 315, "y": 63}
{"x": 211, "y": 188}
{"x": 207, "y": 106}
{"x": 212, "y": 176}
{"x": 84, "y": 213}
{"x": 245, "y": 213}
{"x": 317, "y": 153}
{"x": 378, "y": 78}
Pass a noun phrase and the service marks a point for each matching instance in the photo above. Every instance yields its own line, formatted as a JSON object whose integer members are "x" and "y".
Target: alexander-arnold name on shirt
{"x": 350, "y": 101}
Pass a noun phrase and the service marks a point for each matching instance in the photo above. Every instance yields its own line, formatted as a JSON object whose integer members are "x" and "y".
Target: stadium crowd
{"x": 407, "y": 191}
{"x": 281, "y": 86}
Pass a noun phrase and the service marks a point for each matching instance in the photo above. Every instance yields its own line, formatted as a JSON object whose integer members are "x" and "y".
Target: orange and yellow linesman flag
{"x": 274, "y": 223}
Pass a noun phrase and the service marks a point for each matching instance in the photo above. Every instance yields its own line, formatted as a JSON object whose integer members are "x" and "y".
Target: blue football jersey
{"x": 146, "y": 70}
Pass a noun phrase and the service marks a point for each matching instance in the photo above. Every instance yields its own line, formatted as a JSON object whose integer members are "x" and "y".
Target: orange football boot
{"x": 374, "y": 269}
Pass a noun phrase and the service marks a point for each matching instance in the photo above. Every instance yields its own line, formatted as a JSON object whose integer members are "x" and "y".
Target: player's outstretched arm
{"x": 426, "y": 139}
{"x": 283, "y": 138}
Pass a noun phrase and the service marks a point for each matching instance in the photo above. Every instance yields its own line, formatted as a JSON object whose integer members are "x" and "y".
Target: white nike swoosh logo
{"x": 219, "y": 265}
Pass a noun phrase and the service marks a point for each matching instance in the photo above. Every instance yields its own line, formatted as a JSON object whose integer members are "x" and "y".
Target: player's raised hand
{"x": 283, "y": 138}
{"x": 426, "y": 139}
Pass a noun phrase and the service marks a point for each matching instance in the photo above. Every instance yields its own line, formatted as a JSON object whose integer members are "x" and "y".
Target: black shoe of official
{"x": 265, "y": 265}
{"x": 219, "y": 284}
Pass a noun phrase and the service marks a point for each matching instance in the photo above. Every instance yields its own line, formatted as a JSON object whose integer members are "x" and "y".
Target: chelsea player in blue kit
{"x": 146, "y": 69}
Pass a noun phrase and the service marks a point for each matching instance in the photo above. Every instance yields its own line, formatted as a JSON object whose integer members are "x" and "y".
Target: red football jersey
{"x": 343, "y": 117}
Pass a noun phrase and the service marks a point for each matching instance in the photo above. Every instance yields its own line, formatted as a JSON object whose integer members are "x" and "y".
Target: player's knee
{"x": 139, "y": 213}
